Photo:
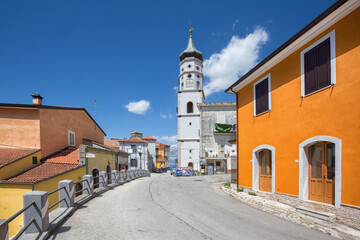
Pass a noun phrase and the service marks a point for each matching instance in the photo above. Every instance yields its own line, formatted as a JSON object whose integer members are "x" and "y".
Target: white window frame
{"x": 268, "y": 76}
{"x": 69, "y": 138}
{"x": 330, "y": 35}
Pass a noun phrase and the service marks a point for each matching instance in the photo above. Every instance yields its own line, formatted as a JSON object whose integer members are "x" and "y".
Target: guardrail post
{"x": 66, "y": 192}
{"x": 4, "y": 229}
{"x": 128, "y": 178}
{"x": 102, "y": 179}
{"x": 114, "y": 176}
{"x": 122, "y": 175}
{"x": 41, "y": 200}
{"x": 88, "y": 185}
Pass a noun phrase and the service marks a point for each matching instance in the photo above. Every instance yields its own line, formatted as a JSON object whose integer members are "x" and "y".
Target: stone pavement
{"x": 290, "y": 213}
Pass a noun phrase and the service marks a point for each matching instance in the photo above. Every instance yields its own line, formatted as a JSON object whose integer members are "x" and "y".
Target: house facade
{"x": 162, "y": 155}
{"x": 298, "y": 113}
{"x": 215, "y": 147}
{"x": 49, "y": 128}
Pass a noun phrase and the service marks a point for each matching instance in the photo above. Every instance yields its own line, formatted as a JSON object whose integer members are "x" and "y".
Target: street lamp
{"x": 140, "y": 152}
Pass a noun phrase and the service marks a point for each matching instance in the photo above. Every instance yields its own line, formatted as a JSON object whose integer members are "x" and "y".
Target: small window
{"x": 318, "y": 65}
{"x": 189, "y": 75}
{"x": 133, "y": 163}
{"x": 190, "y": 107}
{"x": 197, "y": 68}
{"x": 218, "y": 164}
{"x": 35, "y": 160}
{"x": 134, "y": 149}
{"x": 197, "y": 84}
{"x": 71, "y": 138}
{"x": 190, "y": 123}
{"x": 189, "y": 66}
{"x": 262, "y": 98}
{"x": 189, "y": 150}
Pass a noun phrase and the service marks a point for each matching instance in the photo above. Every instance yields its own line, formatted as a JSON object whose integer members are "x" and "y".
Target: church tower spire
{"x": 190, "y": 94}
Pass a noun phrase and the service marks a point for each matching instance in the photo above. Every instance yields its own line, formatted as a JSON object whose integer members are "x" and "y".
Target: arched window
{"x": 198, "y": 85}
{"x": 190, "y": 107}
{"x": 182, "y": 86}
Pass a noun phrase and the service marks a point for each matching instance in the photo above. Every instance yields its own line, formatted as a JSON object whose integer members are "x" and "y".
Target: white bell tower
{"x": 190, "y": 93}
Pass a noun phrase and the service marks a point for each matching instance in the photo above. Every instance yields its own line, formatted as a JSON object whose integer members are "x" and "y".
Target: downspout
{"x": 237, "y": 142}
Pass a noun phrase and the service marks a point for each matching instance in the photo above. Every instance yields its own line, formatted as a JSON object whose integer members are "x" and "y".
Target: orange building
{"x": 298, "y": 113}
{"x": 49, "y": 128}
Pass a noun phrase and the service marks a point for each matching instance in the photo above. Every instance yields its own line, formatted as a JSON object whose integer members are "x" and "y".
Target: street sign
{"x": 183, "y": 171}
{"x": 90, "y": 155}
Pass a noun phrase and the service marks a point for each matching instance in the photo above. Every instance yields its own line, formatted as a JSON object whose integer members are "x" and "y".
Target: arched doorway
{"x": 190, "y": 164}
{"x": 95, "y": 174}
{"x": 313, "y": 152}
{"x": 263, "y": 168}
{"x": 108, "y": 173}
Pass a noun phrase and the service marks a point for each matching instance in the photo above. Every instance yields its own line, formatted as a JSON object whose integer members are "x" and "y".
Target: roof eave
{"x": 298, "y": 35}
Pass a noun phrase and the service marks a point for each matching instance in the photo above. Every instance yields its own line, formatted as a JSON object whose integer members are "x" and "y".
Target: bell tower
{"x": 190, "y": 93}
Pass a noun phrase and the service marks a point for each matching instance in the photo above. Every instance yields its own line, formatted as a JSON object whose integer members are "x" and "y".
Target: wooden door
{"x": 265, "y": 169}
{"x": 322, "y": 172}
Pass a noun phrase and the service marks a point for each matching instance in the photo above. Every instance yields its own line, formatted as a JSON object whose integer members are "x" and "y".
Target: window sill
{"x": 309, "y": 94}
{"x": 257, "y": 115}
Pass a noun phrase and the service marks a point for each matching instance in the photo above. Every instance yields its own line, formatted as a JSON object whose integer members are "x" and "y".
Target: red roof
{"x": 41, "y": 172}
{"x": 9, "y": 155}
{"x": 133, "y": 140}
{"x": 67, "y": 156}
{"x": 162, "y": 144}
{"x": 149, "y": 138}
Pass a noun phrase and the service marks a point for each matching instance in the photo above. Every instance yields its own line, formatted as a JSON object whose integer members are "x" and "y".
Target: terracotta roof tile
{"x": 41, "y": 172}
{"x": 67, "y": 155}
{"x": 149, "y": 138}
{"x": 112, "y": 143}
{"x": 162, "y": 144}
{"x": 134, "y": 140}
{"x": 9, "y": 155}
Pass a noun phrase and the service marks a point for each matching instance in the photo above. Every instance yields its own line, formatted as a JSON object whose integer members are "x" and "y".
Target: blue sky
{"x": 118, "y": 52}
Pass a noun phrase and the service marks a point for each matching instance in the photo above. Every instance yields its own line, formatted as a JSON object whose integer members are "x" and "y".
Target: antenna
{"x": 95, "y": 108}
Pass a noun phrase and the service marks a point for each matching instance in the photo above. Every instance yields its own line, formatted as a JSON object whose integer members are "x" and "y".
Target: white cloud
{"x": 165, "y": 116}
{"x": 224, "y": 68}
{"x": 175, "y": 88}
{"x": 139, "y": 107}
{"x": 167, "y": 138}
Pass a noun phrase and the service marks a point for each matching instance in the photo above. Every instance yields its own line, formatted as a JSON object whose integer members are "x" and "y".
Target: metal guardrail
{"x": 33, "y": 221}
{"x": 27, "y": 225}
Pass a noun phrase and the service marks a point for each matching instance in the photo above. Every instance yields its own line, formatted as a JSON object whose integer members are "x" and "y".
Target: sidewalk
{"x": 292, "y": 214}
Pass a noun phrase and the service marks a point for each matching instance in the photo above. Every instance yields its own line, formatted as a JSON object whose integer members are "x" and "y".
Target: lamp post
{"x": 140, "y": 152}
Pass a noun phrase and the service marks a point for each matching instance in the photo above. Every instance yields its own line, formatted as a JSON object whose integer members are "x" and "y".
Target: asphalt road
{"x": 166, "y": 207}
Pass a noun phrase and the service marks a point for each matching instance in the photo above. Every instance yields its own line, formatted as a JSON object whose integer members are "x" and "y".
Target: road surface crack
{"x": 172, "y": 214}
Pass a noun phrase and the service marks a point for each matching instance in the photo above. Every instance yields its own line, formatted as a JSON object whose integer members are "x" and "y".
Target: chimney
{"x": 37, "y": 99}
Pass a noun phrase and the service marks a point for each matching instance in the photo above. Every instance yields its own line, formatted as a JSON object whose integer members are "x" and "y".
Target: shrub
{"x": 252, "y": 193}
{"x": 227, "y": 185}
{"x": 240, "y": 189}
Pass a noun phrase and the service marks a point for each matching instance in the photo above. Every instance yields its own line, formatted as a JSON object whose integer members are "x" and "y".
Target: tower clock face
{"x": 189, "y": 83}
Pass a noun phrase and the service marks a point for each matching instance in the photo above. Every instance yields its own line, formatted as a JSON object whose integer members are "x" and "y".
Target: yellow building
{"x": 15, "y": 159}
{"x": 162, "y": 155}
{"x": 42, "y": 177}
{"x": 298, "y": 113}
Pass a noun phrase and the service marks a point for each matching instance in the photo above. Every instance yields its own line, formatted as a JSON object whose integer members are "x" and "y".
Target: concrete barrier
{"x": 66, "y": 193}
{"x": 40, "y": 215}
{"x": 114, "y": 176}
{"x": 102, "y": 179}
{"x": 88, "y": 185}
